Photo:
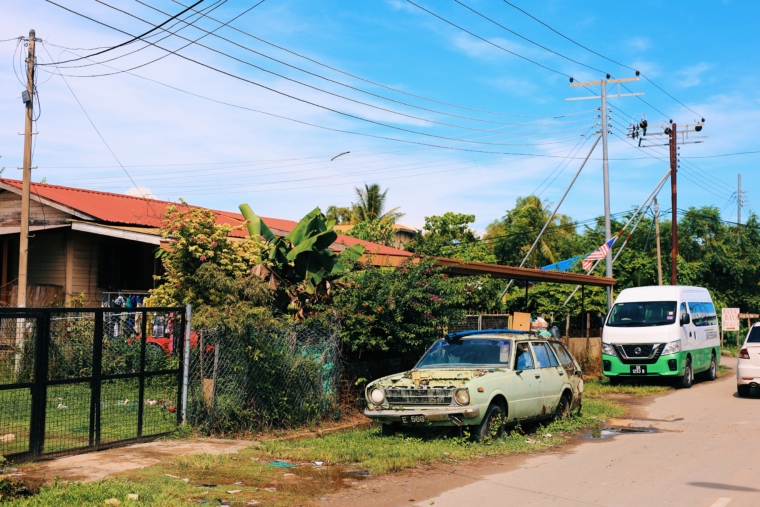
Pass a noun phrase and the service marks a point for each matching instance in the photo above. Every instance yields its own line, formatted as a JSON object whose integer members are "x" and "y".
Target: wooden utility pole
{"x": 674, "y": 204}
{"x": 23, "y": 252}
{"x": 657, "y": 231}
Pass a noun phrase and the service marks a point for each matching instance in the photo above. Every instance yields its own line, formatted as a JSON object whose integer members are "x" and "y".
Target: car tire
{"x": 687, "y": 379}
{"x": 389, "y": 430}
{"x": 495, "y": 414}
{"x": 563, "y": 408}
{"x": 712, "y": 372}
{"x": 742, "y": 391}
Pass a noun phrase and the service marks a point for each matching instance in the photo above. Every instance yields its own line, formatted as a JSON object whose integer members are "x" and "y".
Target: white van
{"x": 668, "y": 331}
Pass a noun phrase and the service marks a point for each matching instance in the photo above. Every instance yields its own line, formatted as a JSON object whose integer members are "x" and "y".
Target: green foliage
{"x": 450, "y": 236}
{"x": 205, "y": 268}
{"x": 340, "y": 214}
{"x": 512, "y": 236}
{"x": 371, "y": 205}
{"x": 375, "y": 231}
{"x": 398, "y": 311}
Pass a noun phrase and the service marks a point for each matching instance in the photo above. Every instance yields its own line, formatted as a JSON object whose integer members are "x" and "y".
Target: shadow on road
{"x": 717, "y": 485}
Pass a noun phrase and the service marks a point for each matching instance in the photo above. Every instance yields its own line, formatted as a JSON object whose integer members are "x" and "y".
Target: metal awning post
{"x": 526, "y": 296}
{"x": 583, "y": 310}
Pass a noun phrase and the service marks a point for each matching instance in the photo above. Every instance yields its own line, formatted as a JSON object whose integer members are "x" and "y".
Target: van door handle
{"x": 561, "y": 373}
{"x": 538, "y": 376}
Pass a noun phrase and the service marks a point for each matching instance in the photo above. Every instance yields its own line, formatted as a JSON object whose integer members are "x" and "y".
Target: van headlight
{"x": 608, "y": 349}
{"x": 462, "y": 396}
{"x": 671, "y": 348}
{"x": 377, "y": 395}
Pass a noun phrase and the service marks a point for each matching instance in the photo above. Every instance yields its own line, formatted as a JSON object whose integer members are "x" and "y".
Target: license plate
{"x": 638, "y": 370}
{"x": 414, "y": 419}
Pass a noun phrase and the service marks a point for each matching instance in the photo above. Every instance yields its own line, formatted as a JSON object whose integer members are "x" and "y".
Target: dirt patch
{"x": 94, "y": 466}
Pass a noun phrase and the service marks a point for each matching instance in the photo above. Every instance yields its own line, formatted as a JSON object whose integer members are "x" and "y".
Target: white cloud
{"x": 143, "y": 192}
{"x": 692, "y": 75}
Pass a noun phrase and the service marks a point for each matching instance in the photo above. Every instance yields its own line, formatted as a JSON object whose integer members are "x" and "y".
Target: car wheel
{"x": 688, "y": 376}
{"x": 389, "y": 430}
{"x": 742, "y": 391}
{"x": 492, "y": 425}
{"x": 712, "y": 373}
{"x": 563, "y": 408}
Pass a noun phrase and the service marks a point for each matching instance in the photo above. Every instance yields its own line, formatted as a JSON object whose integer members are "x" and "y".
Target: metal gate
{"x": 75, "y": 380}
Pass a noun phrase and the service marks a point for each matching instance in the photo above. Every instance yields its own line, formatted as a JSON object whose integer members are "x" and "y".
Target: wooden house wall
{"x": 39, "y": 214}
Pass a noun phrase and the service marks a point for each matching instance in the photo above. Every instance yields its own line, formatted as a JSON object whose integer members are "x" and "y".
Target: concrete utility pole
{"x": 657, "y": 231}
{"x": 605, "y": 163}
{"x": 674, "y": 203}
{"x": 23, "y": 252}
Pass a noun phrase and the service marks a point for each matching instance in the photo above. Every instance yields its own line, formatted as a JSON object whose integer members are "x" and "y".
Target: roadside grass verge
{"x": 601, "y": 387}
{"x": 251, "y": 477}
{"x": 366, "y": 450}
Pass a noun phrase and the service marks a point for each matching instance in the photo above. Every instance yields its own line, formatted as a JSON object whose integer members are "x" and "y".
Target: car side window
{"x": 542, "y": 355}
{"x": 523, "y": 357}
{"x": 552, "y": 358}
{"x": 562, "y": 354}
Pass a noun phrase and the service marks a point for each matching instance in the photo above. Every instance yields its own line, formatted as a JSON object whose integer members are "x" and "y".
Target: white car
{"x": 748, "y": 366}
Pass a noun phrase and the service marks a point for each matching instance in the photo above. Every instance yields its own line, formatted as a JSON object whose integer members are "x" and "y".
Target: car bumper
{"x": 747, "y": 373}
{"x": 665, "y": 366}
{"x": 437, "y": 417}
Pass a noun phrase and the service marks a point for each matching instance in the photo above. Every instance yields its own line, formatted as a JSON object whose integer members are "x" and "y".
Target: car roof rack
{"x": 462, "y": 334}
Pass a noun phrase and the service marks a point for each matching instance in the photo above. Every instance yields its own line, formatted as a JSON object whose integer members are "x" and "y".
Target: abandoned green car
{"x": 481, "y": 379}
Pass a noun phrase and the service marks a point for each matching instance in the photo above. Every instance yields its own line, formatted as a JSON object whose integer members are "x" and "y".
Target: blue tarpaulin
{"x": 565, "y": 265}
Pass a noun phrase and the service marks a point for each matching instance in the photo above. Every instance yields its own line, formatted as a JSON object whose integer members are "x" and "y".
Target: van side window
{"x": 703, "y": 314}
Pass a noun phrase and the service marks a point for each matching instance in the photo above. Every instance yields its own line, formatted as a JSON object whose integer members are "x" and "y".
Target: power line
{"x": 598, "y": 54}
{"x": 488, "y": 41}
{"x": 134, "y": 38}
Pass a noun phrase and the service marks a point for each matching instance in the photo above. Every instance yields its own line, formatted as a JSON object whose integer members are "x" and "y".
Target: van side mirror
{"x": 685, "y": 319}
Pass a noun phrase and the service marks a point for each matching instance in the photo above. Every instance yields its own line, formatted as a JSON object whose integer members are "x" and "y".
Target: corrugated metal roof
{"x": 136, "y": 211}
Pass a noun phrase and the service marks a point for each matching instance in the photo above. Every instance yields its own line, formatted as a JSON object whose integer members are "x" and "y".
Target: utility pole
{"x": 657, "y": 231}
{"x": 605, "y": 160}
{"x": 674, "y": 204}
{"x": 23, "y": 252}
{"x": 739, "y": 202}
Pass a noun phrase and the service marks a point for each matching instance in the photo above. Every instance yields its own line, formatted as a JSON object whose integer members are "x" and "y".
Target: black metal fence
{"x": 74, "y": 380}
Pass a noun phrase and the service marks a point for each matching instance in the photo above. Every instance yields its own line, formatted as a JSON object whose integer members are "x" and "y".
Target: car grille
{"x": 434, "y": 396}
{"x": 648, "y": 353}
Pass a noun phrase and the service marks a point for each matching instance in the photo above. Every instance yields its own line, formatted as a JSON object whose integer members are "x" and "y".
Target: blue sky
{"x": 462, "y": 93}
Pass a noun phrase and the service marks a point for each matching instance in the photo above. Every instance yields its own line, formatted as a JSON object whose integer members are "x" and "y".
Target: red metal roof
{"x": 126, "y": 209}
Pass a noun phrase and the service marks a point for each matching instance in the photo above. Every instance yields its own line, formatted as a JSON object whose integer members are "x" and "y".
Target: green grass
{"x": 354, "y": 450}
{"x": 599, "y": 388}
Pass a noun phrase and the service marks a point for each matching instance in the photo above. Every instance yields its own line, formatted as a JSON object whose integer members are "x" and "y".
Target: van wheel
{"x": 742, "y": 391}
{"x": 712, "y": 373}
{"x": 492, "y": 425}
{"x": 688, "y": 376}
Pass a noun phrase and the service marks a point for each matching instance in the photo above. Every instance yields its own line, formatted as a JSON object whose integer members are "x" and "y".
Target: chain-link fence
{"x": 264, "y": 378}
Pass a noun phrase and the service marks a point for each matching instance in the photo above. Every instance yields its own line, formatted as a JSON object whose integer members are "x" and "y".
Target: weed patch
{"x": 599, "y": 388}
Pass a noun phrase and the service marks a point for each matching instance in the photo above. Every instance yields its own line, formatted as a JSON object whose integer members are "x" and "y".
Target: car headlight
{"x": 377, "y": 395}
{"x": 462, "y": 396}
{"x": 671, "y": 348}
{"x": 608, "y": 349}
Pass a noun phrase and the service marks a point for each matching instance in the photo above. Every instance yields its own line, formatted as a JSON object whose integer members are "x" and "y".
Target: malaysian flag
{"x": 599, "y": 253}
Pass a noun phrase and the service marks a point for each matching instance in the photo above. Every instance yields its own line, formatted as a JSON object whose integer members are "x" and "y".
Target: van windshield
{"x": 653, "y": 313}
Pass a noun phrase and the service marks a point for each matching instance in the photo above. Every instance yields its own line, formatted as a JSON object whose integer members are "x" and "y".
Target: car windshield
{"x": 653, "y": 313}
{"x": 467, "y": 352}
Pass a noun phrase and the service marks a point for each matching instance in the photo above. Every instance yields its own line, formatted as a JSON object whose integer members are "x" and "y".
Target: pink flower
{"x": 214, "y": 243}
{"x": 203, "y": 257}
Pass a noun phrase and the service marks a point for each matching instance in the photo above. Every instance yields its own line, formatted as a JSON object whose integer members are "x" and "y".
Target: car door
{"x": 528, "y": 397}
{"x": 551, "y": 381}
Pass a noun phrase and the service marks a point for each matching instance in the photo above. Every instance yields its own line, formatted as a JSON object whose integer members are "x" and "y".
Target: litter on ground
{"x": 282, "y": 464}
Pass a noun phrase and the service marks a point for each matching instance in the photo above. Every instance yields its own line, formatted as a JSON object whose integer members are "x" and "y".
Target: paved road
{"x": 708, "y": 454}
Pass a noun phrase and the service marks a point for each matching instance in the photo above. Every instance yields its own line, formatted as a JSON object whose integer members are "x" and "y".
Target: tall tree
{"x": 449, "y": 235}
{"x": 371, "y": 205}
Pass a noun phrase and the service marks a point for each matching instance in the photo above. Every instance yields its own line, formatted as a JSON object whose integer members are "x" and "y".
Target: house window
{"x": 125, "y": 265}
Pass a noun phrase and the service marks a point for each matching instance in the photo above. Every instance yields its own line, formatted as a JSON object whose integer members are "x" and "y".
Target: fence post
{"x": 186, "y": 361}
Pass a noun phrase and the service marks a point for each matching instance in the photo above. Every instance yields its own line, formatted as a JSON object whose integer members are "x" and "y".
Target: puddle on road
{"x": 319, "y": 480}
{"x": 602, "y": 433}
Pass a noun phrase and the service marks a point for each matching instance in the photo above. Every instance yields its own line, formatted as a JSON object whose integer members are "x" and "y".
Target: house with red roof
{"x": 102, "y": 244}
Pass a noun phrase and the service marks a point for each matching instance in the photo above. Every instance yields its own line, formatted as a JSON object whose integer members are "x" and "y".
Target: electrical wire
{"x": 599, "y": 54}
{"x": 134, "y": 38}
{"x": 487, "y": 41}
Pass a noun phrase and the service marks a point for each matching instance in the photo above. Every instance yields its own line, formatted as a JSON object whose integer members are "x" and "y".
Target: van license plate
{"x": 638, "y": 370}
{"x": 414, "y": 419}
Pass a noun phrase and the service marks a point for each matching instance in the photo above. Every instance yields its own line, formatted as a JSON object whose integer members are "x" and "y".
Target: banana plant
{"x": 303, "y": 256}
